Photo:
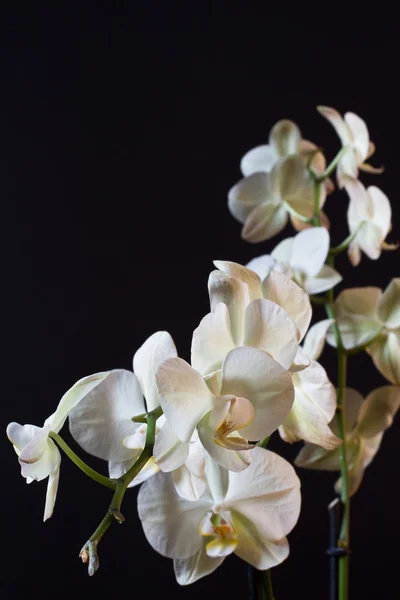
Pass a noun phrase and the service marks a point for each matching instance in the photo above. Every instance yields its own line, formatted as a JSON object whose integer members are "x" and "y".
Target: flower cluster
{"x": 194, "y": 433}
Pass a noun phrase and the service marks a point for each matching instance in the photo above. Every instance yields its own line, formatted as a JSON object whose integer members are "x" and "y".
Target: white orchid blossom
{"x": 242, "y": 403}
{"x": 370, "y": 318}
{"x": 272, "y": 315}
{"x": 365, "y": 422}
{"x": 353, "y": 134}
{"x": 369, "y": 218}
{"x": 303, "y": 259}
{"x": 38, "y": 455}
{"x": 262, "y": 201}
{"x": 248, "y": 513}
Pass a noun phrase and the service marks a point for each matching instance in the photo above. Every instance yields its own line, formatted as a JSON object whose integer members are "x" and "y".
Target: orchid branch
{"x": 106, "y": 481}
{"x": 89, "y": 553}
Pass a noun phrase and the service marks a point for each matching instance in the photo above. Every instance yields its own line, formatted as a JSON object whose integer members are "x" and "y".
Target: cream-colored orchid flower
{"x": 369, "y": 218}
{"x": 248, "y": 513}
{"x": 353, "y": 134}
{"x": 38, "y": 455}
{"x": 365, "y": 422}
{"x": 272, "y": 315}
{"x": 102, "y": 423}
{"x": 370, "y": 318}
{"x": 303, "y": 259}
{"x": 262, "y": 201}
{"x": 242, "y": 403}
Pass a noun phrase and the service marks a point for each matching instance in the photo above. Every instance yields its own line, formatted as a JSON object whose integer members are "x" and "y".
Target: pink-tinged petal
{"x": 169, "y": 452}
{"x": 359, "y": 133}
{"x": 212, "y": 340}
{"x": 253, "y": 374}
{"x": 325, "y": 280}
{"x": 185, "y": 397}
{"x": 264, "y": 222}
{"x": 309, "y": 250}
{"x": 197, "y": 566}
{"x": 336, "y": 120}
{"x": 389, "y": 305}
{"x": 270, "y": 328}
{"x": 170, "y": 523}
{"x": 285, "y": 138}
{"x": 377, "y": 411}
{"x": 318, "y": 163}
{"x": 314, "y": 341}
{"x": 385, "y": 352}
{"x": 157, "y": 348}
{"x": 300, "y": 225}
{"x": 266, "y": 496}
{"x": 101, "y": 421}
{"x": 79, "y": 390}
{"x": 244, "y": 274}
{"x": 279, "y": 288}
{"x": 260, "y": 159}
{"x": 247, "y": 194}
{"x": 228, "y": 459}
{"x": 315, "y": 457}
{"x": 354, "y": 253}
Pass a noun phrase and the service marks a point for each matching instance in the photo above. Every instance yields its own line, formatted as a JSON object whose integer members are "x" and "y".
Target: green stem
{"x": 332, "y": 165}
{"x": 317, "y": 214}
{"x": 264, "y": 443}
{"x": 89, "y": 551}
{"x": 106, "y": 481}
{"x": 269, "y": 594}
{"x": 157, "y": 412}
{"x": 344, "y": 535}
{"x": 319, "y": 299}
{"x": 346, "y": 243}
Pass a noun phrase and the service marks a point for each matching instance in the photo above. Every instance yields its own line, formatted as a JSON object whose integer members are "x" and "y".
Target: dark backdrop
{"x": 121, "y": 133}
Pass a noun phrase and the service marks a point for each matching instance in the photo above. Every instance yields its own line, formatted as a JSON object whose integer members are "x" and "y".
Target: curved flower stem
{"x": 344, "y": 537}
{"x": 317, "y": 213}
{"x": 89, "y": 550}
{"x": 106, "y": 481}
{"x": 332, "y": 165}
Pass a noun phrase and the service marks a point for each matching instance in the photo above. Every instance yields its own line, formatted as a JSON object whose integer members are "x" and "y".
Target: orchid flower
{"x": 251, "y": 394}
{"x": 365, "y": 422}
{"x": 38, "y": 455}
{"x": 248, "y": 513}
{"x": 102, "y": 423}
{"x": 370, "y": 318}
{"x": 303, "y": 259}
{"x": 262, "y": 201}
{"x": 240, "y": 316}
{"x": 369, "y": 218}
{"x": 353, "y": 134}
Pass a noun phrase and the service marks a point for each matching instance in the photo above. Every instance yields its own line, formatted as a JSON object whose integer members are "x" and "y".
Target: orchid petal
{"x": 283, "y": 251}
{"x": 253, "y": 374}
{"x": 235, "y": 294}
{"x": 195, "y": 567}
{"x": 264, "y": 222}
{"x": 259, "y": 552}
{"x": 336, "y": 120}
{"x": 245, "y": 274}
{"x": 314, "y": 341}
{"x": 377, "y": 411}
{"x": 212, "y": 341}
{"x": 262, "y": 265}
{"x": 101, "y": 421}
{"x": 385, "y": 352}
{"x": 309, "y": 250}
{"x": 188, "y": 486}
{"x": 248, "y": 194}
{"x": 326, "y": 279}
{"x": 269, "y": 328}
{"x": 389, "y": 305}
{"x": 257, "y": 160}
{"x": 185, "y": 397}
{"x": 280, "y": 289}
{"x": 229, "y": 459}
{"x": 171, "y": 523}
{"x": 52, "y": 487}
{"x": 157, "y": 348}
{"x": 267, "y": 494}
{"x": 169, "y": 452}
{"x": 359, "y": 133}
{"x": 285, "y": 138}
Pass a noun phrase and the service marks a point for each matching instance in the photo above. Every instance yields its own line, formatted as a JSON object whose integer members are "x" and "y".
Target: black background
{"x": 121, "y": 132}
